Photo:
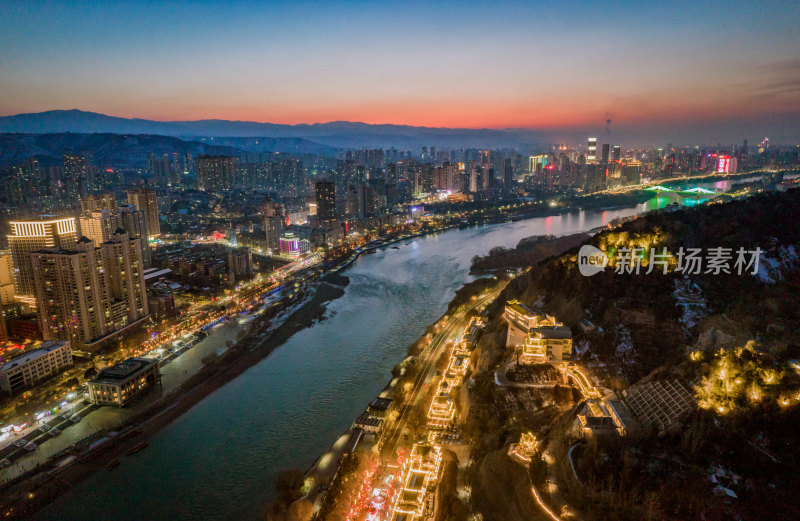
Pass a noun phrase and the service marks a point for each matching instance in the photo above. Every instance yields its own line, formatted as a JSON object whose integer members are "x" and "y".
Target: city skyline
{"x": 712, "y": 72}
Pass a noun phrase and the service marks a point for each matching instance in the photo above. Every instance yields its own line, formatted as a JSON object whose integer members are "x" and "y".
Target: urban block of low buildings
{"x": 35, "y": 366}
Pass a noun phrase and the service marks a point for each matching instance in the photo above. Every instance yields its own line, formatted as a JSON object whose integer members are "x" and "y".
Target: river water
{"x": 219, "y": 460}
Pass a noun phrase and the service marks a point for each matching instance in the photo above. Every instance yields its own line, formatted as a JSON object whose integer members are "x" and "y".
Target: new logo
{"x": 591, "y": 260}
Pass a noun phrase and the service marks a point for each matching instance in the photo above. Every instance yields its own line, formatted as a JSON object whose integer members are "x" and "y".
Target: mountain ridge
{"x": 340, "y": 134}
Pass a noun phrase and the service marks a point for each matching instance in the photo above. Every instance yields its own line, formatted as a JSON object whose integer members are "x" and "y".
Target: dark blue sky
{"x": 713, "y": 68}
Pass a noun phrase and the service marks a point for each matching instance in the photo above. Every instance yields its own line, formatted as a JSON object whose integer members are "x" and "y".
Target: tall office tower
{"x": 274, "y": 222}
{"x": 326, "y": 201}
{"x": 105, "y": 201}
{"x": 605, "y": 154}
{"x": 30, "y": 236}
{"x": 617, "y": 153}
{"x": 603, "y": 173}
{"x": 99, "y": 225}
{"x": 134, "y": 222}
{"x": 486, "y": 177}
{"x": 146, "y": 200}
{"x": 6, "y": 280}
{"x": 450, "y": 177}
{"x": 591, "y": 153}
{"x": 85, "y": 293}
{"x": 216, "y": 173}
{"x": 508, "y": 175}
{"x": 471, "y": 172}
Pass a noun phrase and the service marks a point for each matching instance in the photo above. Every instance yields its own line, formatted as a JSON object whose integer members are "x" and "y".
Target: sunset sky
{"x": 713, "y": 67}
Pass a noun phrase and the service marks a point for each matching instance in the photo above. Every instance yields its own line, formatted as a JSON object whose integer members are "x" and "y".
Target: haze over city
{"x": 680, "y": 72}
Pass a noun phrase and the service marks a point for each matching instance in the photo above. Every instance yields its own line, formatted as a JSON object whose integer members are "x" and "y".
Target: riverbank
{"x": 33, "y": 490}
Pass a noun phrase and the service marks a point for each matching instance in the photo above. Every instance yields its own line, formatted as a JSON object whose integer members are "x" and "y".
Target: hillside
{"x": 666, "y": 314}
{"x": 130, "y": 150}
{"x": 731, "y": 339}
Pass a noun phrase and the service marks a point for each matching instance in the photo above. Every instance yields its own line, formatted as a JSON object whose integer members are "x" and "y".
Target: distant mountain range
{"x": 117, "y": 150}
{"x": 338, "y": 134}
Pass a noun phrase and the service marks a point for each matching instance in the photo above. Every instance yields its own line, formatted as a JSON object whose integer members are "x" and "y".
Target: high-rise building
{"x": 105, "y": 201}
{"x": 99, "y": 226}
{"x": 216, "y": 173}
{"x": 274, "y": 223}
{"x": 617, "y": 153}
{"x": 351, "y": 200}
{"x": 134, "y": 222}
{"x": 146, "y": 200}
{"x": 326, "y": 201}
{"x": 508, "y": 175}
{"x": 366, "y": 201}
{"x": 591, "y": 153}
{"x": 6, "y": 280}
{"x": 29, "y": 236}
{"x": 84, "y": 293}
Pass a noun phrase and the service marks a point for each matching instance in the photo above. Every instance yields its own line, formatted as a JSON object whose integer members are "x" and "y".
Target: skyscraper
{"x": 6, "y": 280}
{"x": 591, "y": 153}
{"x": 105, "y": 201}
{"x": 508, "y": 175}
{"x": 135, "y": 223}
{"x": 351, "y": 200}
{"x": 99, "y": 225}
{"x": 326, "y": 201}
{"x": 216, "y": 173}
{"x": 274, "y": 222}
{"x": 146, "y": 200}
{"x": 30, "y": 236}
{"x": 84, "y": 293}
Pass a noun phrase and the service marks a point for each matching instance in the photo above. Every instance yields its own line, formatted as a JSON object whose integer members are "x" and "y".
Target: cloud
{"x": 778, "y": 78}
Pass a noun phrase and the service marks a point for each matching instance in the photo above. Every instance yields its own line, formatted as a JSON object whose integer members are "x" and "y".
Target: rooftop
{"x": 553, "y": 332}
{"x": 123, "y": 370}
{"x": 33, "y": 355}
{"x": 380, "y": 403}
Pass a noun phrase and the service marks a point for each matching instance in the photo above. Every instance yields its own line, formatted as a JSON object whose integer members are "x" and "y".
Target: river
{"x": 219, "y": 460}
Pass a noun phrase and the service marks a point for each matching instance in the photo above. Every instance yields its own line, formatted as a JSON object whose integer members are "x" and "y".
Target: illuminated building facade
{"x": 521, "y": 320}
{"x": 591, "y": 151}
{"x": 216, "y": 173}
{"x": 83, "y": 294}
{"x": 120, "y": 384}
{"x": 6, "y": 279}
{"x": 29, "y": 236}
{"x": 274, "y": 224}
{"x": 146, "y": 200}
{"x": 326, "y": 201}
{"x": 35, "y": 366}
{"x": 105, "y": 201}
{"x": 547, "y": 344}
{"x": 419, "y": 474}
{"x": 293, "y": 245}
{"x": 99, "y": 225}
{"x": 537, "y": 336}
